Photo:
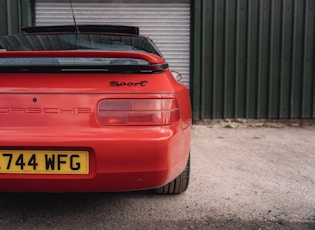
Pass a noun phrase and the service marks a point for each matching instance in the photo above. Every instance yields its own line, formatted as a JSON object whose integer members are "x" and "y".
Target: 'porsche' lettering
{"x": 45, "y": 110}
{"x": 120, "y": 84}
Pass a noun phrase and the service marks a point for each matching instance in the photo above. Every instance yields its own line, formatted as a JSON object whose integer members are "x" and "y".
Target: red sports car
{"x": 90, "y": 109}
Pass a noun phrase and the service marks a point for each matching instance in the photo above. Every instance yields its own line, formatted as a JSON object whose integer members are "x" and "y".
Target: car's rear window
{"x": 77, "y": 41}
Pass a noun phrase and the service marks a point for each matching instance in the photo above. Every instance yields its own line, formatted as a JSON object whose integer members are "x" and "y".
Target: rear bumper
{"x": 120, "y": 159}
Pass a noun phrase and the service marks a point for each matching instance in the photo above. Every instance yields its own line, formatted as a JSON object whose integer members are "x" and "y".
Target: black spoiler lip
{"x": 129, "y": 69}
{"x": 83, "y": 28}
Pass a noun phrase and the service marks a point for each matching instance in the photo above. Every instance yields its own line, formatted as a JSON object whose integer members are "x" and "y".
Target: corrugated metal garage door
{"x": 167, "y": 22}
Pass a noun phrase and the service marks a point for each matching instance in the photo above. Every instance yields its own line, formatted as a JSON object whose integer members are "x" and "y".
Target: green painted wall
{"x": 254, "y": 59}
{"x": 14, "y": 15}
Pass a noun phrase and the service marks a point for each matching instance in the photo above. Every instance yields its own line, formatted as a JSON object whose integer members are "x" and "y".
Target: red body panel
{"x": 58, "y": 111}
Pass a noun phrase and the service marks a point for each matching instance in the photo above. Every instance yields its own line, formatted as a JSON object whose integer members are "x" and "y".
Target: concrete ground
{"x": 254, "y": 173}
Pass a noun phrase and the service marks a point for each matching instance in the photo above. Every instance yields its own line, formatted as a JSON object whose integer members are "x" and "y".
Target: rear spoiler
{"x": 156, "y": 63}
{"x": 83, "y": 28}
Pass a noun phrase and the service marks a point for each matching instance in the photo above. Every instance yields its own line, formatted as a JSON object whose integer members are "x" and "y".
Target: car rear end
{"x": 85, "y": 127}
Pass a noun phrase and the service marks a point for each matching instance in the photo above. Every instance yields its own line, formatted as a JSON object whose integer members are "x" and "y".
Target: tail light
{"x": 138, "y": 111}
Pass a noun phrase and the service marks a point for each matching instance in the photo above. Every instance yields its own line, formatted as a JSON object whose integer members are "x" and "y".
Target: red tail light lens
{"x": 138, "y": 112}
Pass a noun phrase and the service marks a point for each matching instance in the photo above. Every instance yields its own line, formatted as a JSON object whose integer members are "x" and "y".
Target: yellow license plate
{"x": 44, "y": 162}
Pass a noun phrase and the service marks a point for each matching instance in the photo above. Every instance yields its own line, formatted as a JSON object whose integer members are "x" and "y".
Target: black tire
{"x": 178, "y": 185}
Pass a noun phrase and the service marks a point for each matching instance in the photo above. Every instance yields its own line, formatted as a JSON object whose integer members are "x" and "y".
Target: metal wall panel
{"x": 10, "y": 16}
{"x": 257, "y": 59}
{"x": 14, "y": 14}
{"x": 167, "y": 22}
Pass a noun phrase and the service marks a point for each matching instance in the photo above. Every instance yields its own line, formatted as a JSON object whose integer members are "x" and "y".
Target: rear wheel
{"x": 178, "y": 185}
